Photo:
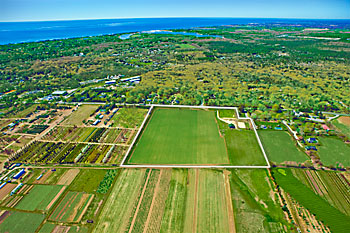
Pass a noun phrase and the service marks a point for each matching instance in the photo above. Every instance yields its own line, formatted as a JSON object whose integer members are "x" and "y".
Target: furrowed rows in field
{"x": 86, "y": 134}
{"x": 121, "y": 202}
{"x": 330, "y": 185}
{"x": 68, "y": 153}
{"x": 167, "y": 200}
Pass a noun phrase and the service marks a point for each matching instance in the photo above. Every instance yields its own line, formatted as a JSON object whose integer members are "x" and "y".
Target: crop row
{"x": 86, "y": 134}
{"x": 67, "y": 153}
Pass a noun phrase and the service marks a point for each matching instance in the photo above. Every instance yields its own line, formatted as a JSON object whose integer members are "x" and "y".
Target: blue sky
{"x": 34, "y": 10}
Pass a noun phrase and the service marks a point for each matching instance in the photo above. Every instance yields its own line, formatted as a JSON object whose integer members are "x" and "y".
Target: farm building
{"x": 19, "y": 174}
{"x": 96, "y": 122}
{"x": 110, "y": 82}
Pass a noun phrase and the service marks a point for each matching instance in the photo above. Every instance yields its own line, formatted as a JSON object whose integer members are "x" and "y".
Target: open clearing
{"x": 333, "y": 151}
{"x": 39, "y": 197}
{"x": 180, "y": 136}
{"x": 280, "y": 147}
{"x": 83, "y": 112}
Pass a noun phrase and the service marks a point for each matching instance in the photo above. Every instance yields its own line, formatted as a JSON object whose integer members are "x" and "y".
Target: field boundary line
{"x": 137, "y": 135}
{"x": 194, "y": 166}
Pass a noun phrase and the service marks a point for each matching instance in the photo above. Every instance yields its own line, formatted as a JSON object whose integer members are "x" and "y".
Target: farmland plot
{"x": 332, "y": 186}
{"x": 256, "y": 207}
{"x": 40, "y": 197}
{"x": 122, "y": 201}
{"x": 329, "y": 215}
{"x": 83, "y": 112}
{"x": 72, "y": 207}
{"x": 334, "y": 152}
{"x": 20, "y": 222}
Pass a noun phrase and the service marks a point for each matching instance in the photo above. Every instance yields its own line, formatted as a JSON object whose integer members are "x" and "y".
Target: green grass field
{"x": 39, "y": 197}
{"x": 19, "y": 222}
{"x": 180, "y": 136}
{"x": 345, "y": 129}
{"x": 280, "y": 147}
{"x": 333, "y": 151}
{"x": 87, "y": 180}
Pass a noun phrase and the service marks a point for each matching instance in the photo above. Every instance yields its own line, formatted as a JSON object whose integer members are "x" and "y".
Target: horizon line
{"x": 166, "y": 17}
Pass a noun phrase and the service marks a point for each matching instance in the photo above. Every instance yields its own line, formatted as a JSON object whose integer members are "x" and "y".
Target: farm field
{"x": 129, "y": 117}
{"x": 332, "y": 186}
{"x": 82, "y": 113}
{"x": 40, "y": 197}
{"x": 52, "y": 228}
{"x": 87, "y": 181}
{"x": 180, "y": 136}
{"x": 18, "y": 222}
{"x": 256, "y": 207}
{"x": 329, "y": 215}
{"x": 167, "y": 200}
{"x": 242, "y": 146}
{"x": 72, "y": 207}
{"x": 280, "y": 147}
{"x": 334, "y": 152}
{"x": 343, "y": 124}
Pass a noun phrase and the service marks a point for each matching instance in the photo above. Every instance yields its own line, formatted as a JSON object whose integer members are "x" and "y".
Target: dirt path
{"x": 156, "y": 189}
{"x": 195, "y": 210}
{"x": 55, "y": 198}
{"x": 140, "y": 201}
{"x": 232, "y": 226}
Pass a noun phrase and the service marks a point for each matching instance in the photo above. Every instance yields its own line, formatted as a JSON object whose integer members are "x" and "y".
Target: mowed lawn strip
{"x": 333, "y": 151}
{"x": 18, "y": 222}
{"x": 180, "y": 136}
{"x": 280, "y": 147}
{"x": 39, "y": 197}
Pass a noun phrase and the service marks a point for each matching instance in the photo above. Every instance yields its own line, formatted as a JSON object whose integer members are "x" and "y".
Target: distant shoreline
{"x": 36, "y": 31}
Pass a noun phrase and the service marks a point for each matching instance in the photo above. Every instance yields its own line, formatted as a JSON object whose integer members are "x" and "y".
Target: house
{"x": 59, "y": 93}
{"x": 325, "y": 127}
{"x": 310, "y": 148}
{"x": 311, "y": 140}
{"x": 110, "y": 82}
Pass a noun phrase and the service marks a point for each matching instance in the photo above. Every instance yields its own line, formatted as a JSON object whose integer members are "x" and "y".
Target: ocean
{"x": 18, "y": 32}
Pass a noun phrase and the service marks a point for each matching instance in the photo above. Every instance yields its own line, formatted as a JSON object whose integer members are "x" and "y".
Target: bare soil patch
{"x": 68, "y": 177}
{"x": 344, "y": 120}
{"x": 43, "y": 178}
{"x": 6, "y": 190}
